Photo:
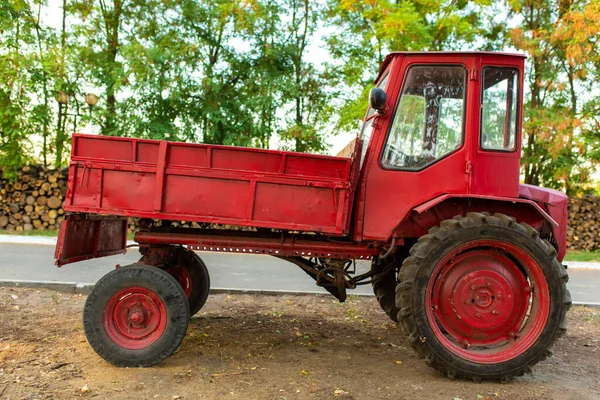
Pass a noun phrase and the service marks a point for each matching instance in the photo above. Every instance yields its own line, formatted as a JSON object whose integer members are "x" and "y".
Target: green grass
{"x": 582, "y": 256}
{"x": 34, "y": 232}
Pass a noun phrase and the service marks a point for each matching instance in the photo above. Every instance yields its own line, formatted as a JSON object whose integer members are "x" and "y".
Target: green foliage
{"x": 560, "y": 128}
{"x": 245, "y": 72}
{"x": 368, "y": 30}
{"x": 19, "y": 67}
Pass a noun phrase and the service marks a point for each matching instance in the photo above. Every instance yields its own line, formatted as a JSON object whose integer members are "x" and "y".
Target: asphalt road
{"x": 35, "y": 262}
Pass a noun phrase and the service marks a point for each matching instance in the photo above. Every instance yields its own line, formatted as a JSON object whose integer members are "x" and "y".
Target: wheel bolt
{"x": 472, "y": 287}
{"x": 434, "y": 307}
{"x": 479, "y": 315}
{"x": 528, "y": 289}
{"x": 467, "y": 301}
{"x": 495, "y": 312}
{"x": 466, "y": 344}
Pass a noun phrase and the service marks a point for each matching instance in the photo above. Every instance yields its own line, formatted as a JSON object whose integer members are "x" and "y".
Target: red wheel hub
{"x": 134, "y": 318}
{"x": 184, "y": 278}
{"x": 488, "y": 301}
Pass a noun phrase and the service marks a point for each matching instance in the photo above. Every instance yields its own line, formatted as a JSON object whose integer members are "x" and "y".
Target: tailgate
{"x": 82, "y": 237}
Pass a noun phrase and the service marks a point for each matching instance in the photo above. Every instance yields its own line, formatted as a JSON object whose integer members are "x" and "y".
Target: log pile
{"x": 583, "y": 232}
{"x": 33, "y": 200}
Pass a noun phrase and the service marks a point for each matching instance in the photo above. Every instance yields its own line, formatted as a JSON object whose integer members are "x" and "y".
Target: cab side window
{"x": 499, "y": 109}
{"x": 429, "y": 119}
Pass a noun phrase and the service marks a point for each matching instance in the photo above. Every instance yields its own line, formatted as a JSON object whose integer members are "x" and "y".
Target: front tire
{"x": 483, "y": 297}
{"x": 136, "y": 316}
{"x": 192, "y": 275}
{"x": 384, "y": 288}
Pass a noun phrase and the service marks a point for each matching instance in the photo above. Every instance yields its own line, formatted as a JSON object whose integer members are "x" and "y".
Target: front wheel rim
{"x": 487, "y": 301}
{"x": 183, "y": 277}
{"x": 135, "y": 318}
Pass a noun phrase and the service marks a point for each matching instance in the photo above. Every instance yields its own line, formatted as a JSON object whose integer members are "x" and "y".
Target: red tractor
{"x": 464, "y": 257}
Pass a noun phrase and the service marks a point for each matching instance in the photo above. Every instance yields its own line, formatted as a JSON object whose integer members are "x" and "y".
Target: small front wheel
{"x": 136, "y": 316}
{"x": 192, "y": 275}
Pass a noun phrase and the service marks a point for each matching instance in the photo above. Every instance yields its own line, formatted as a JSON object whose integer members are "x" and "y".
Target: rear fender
{"x": 431, "y": 213}
{"x": 83, "y": 237}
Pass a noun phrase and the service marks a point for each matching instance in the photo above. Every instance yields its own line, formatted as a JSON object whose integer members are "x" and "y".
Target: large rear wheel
{"x": 136, "y": 316}
{"x": 483, "y": 297}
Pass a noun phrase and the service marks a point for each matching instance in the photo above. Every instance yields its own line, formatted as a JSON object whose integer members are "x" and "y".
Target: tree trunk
{"x": 112, "y": 22}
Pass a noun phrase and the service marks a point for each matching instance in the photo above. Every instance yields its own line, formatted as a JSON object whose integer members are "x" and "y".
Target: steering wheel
{"x": 394, "y": 157}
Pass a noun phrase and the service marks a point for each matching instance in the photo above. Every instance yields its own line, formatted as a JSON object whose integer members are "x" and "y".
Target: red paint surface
{"x": 481, "y": 299}
{"x": 388, "y": 196}
{"x": 134, "y": 318}
{"x": 215, "y": 184}
{"x": 85, "y": 238}
{"x": 247, "y": 242}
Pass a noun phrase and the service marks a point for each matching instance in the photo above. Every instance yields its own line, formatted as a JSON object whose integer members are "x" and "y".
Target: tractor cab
{"x": 439, "y": 123}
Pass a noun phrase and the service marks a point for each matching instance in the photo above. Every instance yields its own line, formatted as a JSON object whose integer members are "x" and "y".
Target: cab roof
{"x": 388, "y": 59}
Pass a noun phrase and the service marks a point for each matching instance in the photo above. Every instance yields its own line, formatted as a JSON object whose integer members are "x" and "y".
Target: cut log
{"x": 54, "y": 202}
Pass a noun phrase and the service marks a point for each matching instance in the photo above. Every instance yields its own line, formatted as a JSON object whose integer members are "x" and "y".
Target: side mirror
{"x": 377, "y": 99}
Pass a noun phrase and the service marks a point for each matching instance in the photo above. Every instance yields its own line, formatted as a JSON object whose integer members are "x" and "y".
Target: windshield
{"x": 429, "y": 118}
{"x": 367, "y": 129}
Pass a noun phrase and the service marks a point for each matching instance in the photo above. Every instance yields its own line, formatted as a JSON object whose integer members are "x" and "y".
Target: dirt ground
{"x": 265, "y": 347}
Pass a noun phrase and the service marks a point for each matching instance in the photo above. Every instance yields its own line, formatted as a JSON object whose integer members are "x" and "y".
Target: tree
{"x": 556, "y": 128}
{"x": 306, "y": 88}
{"x": 17, "y": 69}
{"x": 365, "y": 31}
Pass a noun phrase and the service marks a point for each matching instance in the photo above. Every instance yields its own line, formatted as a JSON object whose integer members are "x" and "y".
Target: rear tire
{"x": 136, "y": 316}
{"x": 483, "y": 297}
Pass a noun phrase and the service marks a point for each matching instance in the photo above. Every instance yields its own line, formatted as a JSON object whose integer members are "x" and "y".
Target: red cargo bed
{"x": 209, "y": 183}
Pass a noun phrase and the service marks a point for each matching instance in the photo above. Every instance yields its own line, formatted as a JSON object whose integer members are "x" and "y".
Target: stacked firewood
{"x": 33, "y": 199}
{"x": 583, "y": 232}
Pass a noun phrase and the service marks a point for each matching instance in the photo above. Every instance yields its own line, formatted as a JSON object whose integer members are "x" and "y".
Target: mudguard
{"x": 83, "y": 237}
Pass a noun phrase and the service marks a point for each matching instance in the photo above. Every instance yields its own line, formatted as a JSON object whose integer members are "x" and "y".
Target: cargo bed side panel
{"x": 211, "y": 184}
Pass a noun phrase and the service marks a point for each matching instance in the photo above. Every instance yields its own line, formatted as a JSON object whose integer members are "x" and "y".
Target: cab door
{"x": 496, "y": 151}
{"x": 423, "y": 147}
